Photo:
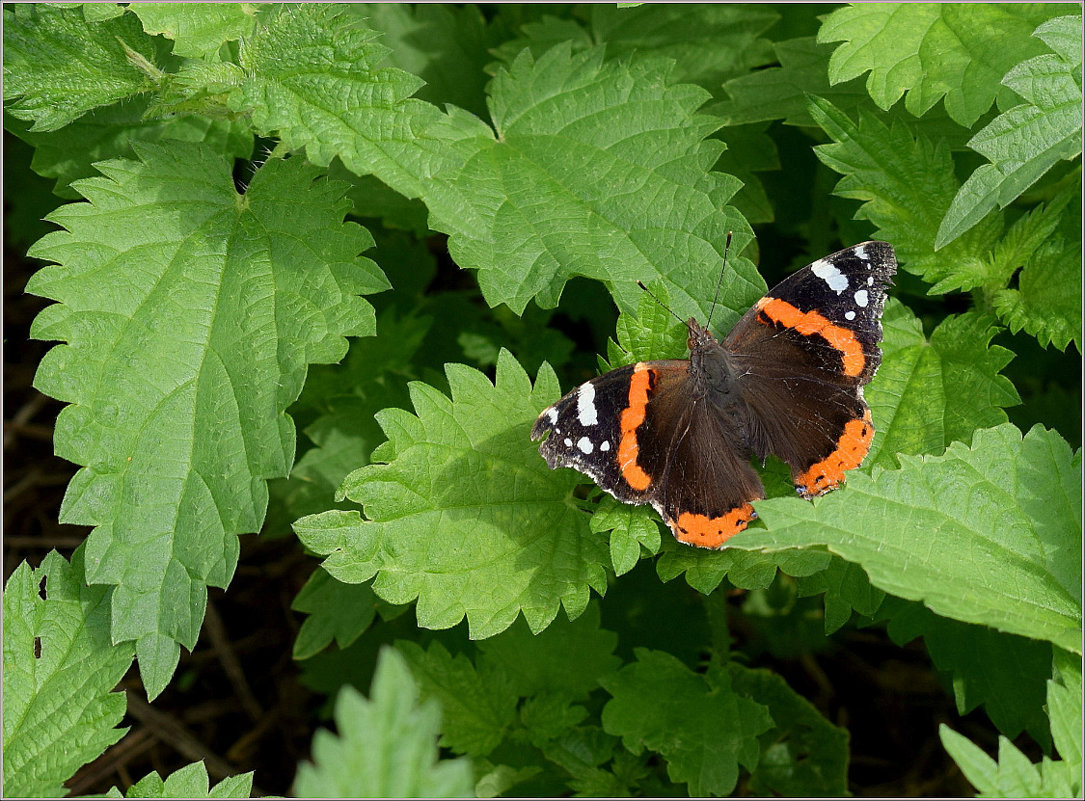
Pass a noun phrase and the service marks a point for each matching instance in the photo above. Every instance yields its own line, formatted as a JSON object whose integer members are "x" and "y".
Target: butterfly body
{"x": 787, "y": 380}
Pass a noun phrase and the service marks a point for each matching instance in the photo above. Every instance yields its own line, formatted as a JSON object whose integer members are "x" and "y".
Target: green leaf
{"x": 1013, "y": 776}
{"x": 478, "y": 707}
{"x": 620, "y": 181}
{"x": 106, "y": 133}
{"x": 803, "y": 754}
{"x": 929, "y": 393}
{"x": 566, "y": 659}
{"x": 336, "y": 611}
{"x": 846, "y": 589}
{"x": 190, "y": 316}
{"x": 447, "y": 47}
{"x": 1025, "y": 142}
{"x": 58, "y": 65}
{"x": 190, "y": 781}
{"x": 706, "y": 569}
{"x": 989, "y": 534}
{"x": 1004, "y": 673}
{"x": 719, "y": 41}
{"x": 386, "y": 746}
{"x": 780, "y": 93}
{"x": 198, "y": 29}
{"x": 59, "y": 668}
{"x": 1046, "y": 303}
{"x": 630, "y": 528}
{"x": 703, "y": 727}
{"x": 465, "y": 516}
{"x": 958, "y": 51}
{"x": 906, "y": 183}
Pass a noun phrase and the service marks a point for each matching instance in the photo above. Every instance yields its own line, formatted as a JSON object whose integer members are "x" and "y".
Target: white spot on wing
{"x": 828, "y": 273}
{"x": 849, "y": 315}
{"x": 568, "y": 443}
{"x": 585, "y": 445}
{"x": 585, "y": 405}
{"x": 870, "y": 280}
{"x": 861, "y": 298}
{"x": 605, "y": 446}
{"x": 860, "y": 251}
{"x": 552, "y": 413}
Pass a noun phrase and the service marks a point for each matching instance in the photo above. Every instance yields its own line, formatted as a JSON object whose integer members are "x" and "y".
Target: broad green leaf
{"x": 59, "y": 669}
{"x": 190, "y": 781}
{"x": 190, "y": 315}
{"x": 445, "y": 46}
{"x": 336, "y": 611}
{"x": 567, "y": 659}
{"x": 58, "y": 65}
{"x": 929, "y": 393}
{"x": 906, "y": 183}
{"x": 106, "y": 133}
{"x": 1047, "y": 301}
{"x": 1013, "y": 776}
{"x": 989, "y": 534}
{"x": 596, "y": 169}
{"x": 1024, "y": 142}
{"x": 958, "y": 51}
{"x": 846, "y": 589}
{"x": 780, "y": 93}
{"x": 477, "y": 707}
{"x": 704, "y": 570}
{"x": 630, "y": 528}
{"x": 1004, "y": 673}
{"x": 709, "y": 43}
{"x": 465, "y": 516}
{"x": 197, "y": 29}
{"x": 803, "y": 754}
{"x": 702, "y": 726}
{"x": 386, "y": 745}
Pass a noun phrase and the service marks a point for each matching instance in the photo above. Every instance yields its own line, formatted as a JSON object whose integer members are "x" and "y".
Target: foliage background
{"x": 210, "y": 298}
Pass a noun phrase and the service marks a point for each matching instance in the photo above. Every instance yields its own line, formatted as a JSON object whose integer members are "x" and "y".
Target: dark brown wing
{"x": 801, "y": 356}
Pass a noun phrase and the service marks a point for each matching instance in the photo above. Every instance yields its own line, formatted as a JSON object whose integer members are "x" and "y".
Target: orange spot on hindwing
{"x": 810, "y": 323}
{"x": 632, "y": 417}
{"x": 711, "y": 532}
{"x": 850, "y": 451}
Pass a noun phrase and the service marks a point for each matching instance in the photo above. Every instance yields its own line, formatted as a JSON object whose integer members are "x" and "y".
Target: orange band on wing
{"x": 850, "y": 451}
{"x": 711, "y": 532}
{"x": 808, "y": 323}
{"x": 632, "y": 417}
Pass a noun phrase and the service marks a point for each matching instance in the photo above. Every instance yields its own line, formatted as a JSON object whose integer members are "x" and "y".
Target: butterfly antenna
{"x": 719, "y": 281}
{"x": 661, "y": 303}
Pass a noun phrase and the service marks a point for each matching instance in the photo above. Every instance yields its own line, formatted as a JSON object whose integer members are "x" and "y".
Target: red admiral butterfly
{"x": 788, "y": 380}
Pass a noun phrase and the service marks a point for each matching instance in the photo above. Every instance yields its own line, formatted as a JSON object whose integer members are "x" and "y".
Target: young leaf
{"x": 465, "y": 516}
{"x": 803, "y": 754}
{"x": 929, "y": 393}
{"x": 1003, "y": 672}
{"x": 614, "y": 195}
{"x": 906, "y": 183}
{"x": 197, "y": 30}
{"x": 386, "y": 746}
{"x": 702, "y": 726}
{"x": 1013, "y": 776}
{"x": 59, "y": 668}
{"x": 989, "y": 534}
{"x": 846, "y": 589}
{"x": 959, "y": 51}
{"x": 780, "y": 93}
{"x": 190, "y": 316}
{"x": 190, "y": 781}
{"x": 1026, "y": 141}
{"x": 567, "y": 659}
{"x": 58, "y": 65}
{"x": 336, "y": 611}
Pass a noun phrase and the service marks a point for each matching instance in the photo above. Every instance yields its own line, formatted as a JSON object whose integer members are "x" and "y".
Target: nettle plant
{"x": 211, "y": 297}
